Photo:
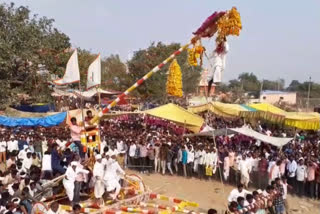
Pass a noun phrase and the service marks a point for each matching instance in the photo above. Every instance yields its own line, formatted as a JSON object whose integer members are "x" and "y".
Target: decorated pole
{"x": 140, "y": 81}
{"x": 225, "y": 23}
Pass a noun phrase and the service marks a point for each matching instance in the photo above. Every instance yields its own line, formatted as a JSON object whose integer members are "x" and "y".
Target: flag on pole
{"x": 72, "y": 74}
{"x": 94, "y": 73}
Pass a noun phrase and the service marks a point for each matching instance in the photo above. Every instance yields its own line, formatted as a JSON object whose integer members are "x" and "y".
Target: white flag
{"x": 94, "y": 73}
{"x": 72, "y": 74}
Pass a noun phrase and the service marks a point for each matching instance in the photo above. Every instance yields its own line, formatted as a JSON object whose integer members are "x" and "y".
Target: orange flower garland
{"x": 229, "y": 24}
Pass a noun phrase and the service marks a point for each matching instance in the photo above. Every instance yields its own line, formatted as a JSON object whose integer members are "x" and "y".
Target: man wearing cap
{"x": 98, "y": 173}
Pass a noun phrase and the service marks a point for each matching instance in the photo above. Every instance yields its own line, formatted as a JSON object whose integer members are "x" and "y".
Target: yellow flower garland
{"x": 229, "y": 24}
{"x": 174, "y": 81}
{"x": 195, "y": 53}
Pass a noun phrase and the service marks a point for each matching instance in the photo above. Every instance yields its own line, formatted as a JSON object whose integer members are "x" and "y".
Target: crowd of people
{"x": 32, "y": 156}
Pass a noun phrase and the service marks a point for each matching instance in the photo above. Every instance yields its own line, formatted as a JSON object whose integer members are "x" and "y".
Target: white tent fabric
{"x": 92, "y": 92}
{"x": 207, "y": 129}
{"x": 275, "y": 141}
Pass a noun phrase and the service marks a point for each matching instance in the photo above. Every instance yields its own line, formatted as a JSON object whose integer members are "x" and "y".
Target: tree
{"x": 114, "y": 74}
{"x": 249, "y": 82}
{"x": 144, "y": 60}
{"x": 294, "y": 85}
{"x": 27, "y": 45}
{"x": 273, "y": 85}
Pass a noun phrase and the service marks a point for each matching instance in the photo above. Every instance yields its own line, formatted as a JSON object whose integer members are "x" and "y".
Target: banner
{"x": 72, "y": 74}
{"x": 94, "y": 73}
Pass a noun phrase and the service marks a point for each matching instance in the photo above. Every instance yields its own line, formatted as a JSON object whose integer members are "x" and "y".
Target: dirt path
{"x": 211, "y": 194}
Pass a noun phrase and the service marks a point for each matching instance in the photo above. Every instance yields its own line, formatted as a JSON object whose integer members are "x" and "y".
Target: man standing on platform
{"x": 75, "y": 136}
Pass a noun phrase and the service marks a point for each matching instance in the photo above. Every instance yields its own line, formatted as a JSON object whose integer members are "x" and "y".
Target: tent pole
{"x": 214, "y": 143}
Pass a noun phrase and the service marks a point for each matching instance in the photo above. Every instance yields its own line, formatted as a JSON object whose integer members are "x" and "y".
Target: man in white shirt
{"x": 196, "y": 159}
{"x": 285, "y": 192}
{"x": 301, "y": 176}
{"x": 23, "y": 153}
{"x": 291, "y": 169}
{"x": 157, "y": 165}
{"x": 244, "y": 170}
{"x": 190, "y": 161}
{"x": 201, "y": 163}
{"x": 215, "y": 159}
{"x": 111, "y": 178}
{"x": 69, "y": 179}
{"x": 3, "y": 149}
{"x": 132, "y": 153}
{"x": 27, "y": 162}
{"x": 12, "y": 144}
{"x": 239, "y": 192}
{"x": 46, "y": 168}
{"x": 275, "y": 171}
{"x": 98, "y": 173}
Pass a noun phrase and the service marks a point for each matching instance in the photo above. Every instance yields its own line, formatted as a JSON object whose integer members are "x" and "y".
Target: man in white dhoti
{"x": 111, "y": 177}
{"x": 219, "y": 63}
{"x": 244, "y": 170}
{"x": 69, "y": 179}
{"x": 98, "y": 173}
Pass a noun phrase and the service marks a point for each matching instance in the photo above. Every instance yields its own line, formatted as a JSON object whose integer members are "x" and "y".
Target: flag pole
{"x": 99, "y": 97}
{"x": 81, "y": 105}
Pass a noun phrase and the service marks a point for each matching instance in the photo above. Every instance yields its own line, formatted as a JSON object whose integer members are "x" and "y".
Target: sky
{"x": 280, "y": 38}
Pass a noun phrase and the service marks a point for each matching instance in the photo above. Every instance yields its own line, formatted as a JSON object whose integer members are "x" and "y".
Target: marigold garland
{"x": 195, "y": 53}
{"x": 229, "y": 24}
{"x": 174, "y": 81}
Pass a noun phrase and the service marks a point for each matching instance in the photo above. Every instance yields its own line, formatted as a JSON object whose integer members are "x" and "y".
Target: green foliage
{"x": 26, "y": 42}
{"x": 273, "y": 85}
{"x": 302, "y": 88}
{"x": 249, "y": 82}
{"x": 114, "y": 74}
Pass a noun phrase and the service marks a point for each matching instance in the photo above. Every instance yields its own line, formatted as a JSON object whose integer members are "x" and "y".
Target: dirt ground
{"x": 212, "y": 194}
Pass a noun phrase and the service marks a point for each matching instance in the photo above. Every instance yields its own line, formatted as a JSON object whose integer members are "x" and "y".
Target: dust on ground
{"x": 211, "y": 193}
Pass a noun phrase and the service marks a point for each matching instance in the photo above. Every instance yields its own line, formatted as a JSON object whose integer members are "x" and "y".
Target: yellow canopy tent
{"x": 222, "y": 109}
{"x": 303, "y": 120}
{"x": 300, "y": 120}
{"x": 178, "y": 115}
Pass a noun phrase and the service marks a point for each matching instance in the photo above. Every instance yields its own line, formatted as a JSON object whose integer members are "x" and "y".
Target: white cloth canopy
{"x": 275, "y": 141}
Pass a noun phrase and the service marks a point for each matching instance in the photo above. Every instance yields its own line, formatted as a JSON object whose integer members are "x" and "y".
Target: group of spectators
{"x": 34, "y": 155}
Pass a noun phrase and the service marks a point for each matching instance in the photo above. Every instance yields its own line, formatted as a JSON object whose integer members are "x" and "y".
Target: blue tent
{"x": 36, "y": 108}
{"x": 52, "y": 120}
